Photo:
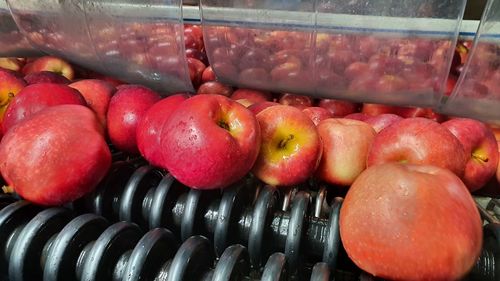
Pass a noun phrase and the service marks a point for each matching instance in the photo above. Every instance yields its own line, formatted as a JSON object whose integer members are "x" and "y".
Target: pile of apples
{"x": 408, "y": 213}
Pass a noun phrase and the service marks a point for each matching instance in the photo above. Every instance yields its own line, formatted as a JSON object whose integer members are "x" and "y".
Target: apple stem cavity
{"x": 224, "y": 125}
{"x": 282, "y": 144}
{"x": 480, "y": 157}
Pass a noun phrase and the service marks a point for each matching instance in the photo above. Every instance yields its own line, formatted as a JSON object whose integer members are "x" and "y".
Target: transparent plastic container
{"x": 384, "y": 51}
{"x": 13, "y": 43}
{"x": 477, "y": 92}
{"x": 136, "y": 41}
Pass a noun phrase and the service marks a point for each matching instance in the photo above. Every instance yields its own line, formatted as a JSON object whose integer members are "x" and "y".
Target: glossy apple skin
{"x": 481, "y": 148}
{"x": 33, "y": 98}
{"x": 97, "y": 94}
{"x": 68, "y": 155}
{"x": 254, "y": 96}
{"x": 208, "y": 75}
{"x": 339, "y": 108}
{"x": 298, "y": 101}
{"x": 196, "y": 69}
{"x": 357, "y": 116}
{"x": 382, "y": 121}
{"x": 498, "y": 168}
{"x": 45, "y": 77}
{"x": 418, "y": 141}
{"x": 290, "y": 148}
{"x": 210, "y": 142}
{"x": 49, "y": 63}
{"x": 126, "y": 108}
{"x": 149, "y": 129}
{"x": 317, "y": 114}
{"x": 258, "y": 107}
{"x": 10, "y": 86}
{"x": 411, "y": 222}
{"x": 373, "y": 109}
{"x": 215, "y": 88}
{"x": 345, "y": 146}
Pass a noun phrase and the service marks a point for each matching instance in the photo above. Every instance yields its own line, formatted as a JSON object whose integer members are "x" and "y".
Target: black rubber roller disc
{"x": 320, "y": 272}
{"x": 25, "y": 258}
{"x": 113, "y": 242}
{"x": 12, "y": 218}
{"x": 150, "y": 253}
{"x": 63, "y": 255}
{"x": 233, "y": 265}
{"x": 296, "y": 228}
{"x": 164, "y": 198}
{"x": 331, "y": 250}
{"x": 232, "y": 202}
{"x": 6, "y": 200}
{"x": 193, "y": 259}
{"x": 275, "y": 268}
{"x": 143, "y": 179}
{"x": 263, "y": 210}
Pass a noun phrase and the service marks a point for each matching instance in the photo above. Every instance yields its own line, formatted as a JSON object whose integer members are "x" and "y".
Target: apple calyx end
{"x": 224, "y": 125}
{"x": 282, "y": 143}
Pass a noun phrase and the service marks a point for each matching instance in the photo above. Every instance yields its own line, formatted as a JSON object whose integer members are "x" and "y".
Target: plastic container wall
{"x": 477, "y": 92}
{"x": 384, "y": 51}
{"x": 136, "y": 41}
{"x": 13, "y": 43}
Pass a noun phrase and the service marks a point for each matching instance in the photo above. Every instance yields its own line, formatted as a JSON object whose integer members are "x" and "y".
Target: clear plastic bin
{"x": 384, "y": 51}
{"x": 477, "y": 92}
{"x": 136, "y": 41}
{"x": 13, "y": 43}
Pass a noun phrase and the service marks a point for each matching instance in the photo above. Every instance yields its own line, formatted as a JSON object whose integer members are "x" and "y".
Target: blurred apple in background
{"x": 339, "y": 108}
{"x": 11, "y": 64}
{"x": 215, "y": 88}
{"x": 196, "y": 68}
{"x": 382, "y": 121}
{"x": 298, "y": 101}
{"x": 345, "y": 147}
{"x": 97, "y": 94}
{"x": 45, "y": 77}
{"x": 393, "y": 211}
{"x": 290, "y": 148}
{"x": 10, "y": 86}
{"x": 258, "y": 107}
{"x": 63, "y": 149}
{"x": 357, "y": 116}
{"x": 317, "y": 114}
{"x": 210, "y": 142}
{"x": 208, "y": 75}
{"x": 49, "y": 63}
{"x": 125, "y": 110}
{"x": 418, "y": 141}
{"x": 373, "y": 109}
{"x": 480, "y": 147}
{"x": 149, "y": 129}
{"x": 33, "y": 98}
{"x": 254, "y": 96}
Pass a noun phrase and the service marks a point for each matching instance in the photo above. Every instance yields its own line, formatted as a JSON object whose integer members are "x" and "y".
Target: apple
{"x": 357, "y": 116}
{"x": 193, "y": 37}
{"x": 339, "y": 108}
{"x": 11, "y": 64}
{"x": 418, "y": 141}
{"x": 411, "y": 222}
{"x": 382, "y": 121}
{"x": 210, "y": 142}
{"x": 45, "y": 77}
{"x": 215, "y": 88}
{"x": 196, "y": 68}
{"x": 298, "y": 101}
{"x": 49, "y": 63}
{"x": 481, "y": 148}
{"x": 346, "y": 143}
{"x": 254, "y": 96}
{"x": 148, "y": 130}
{"x": 197, "y": 54}
{"x": 317, "y": 114}
{"x": 373, "y": 109}
{"x": 408, "y": 112}
{"x": 97, "y": 94}
{"x": 208, "y": 75}
{"x": 498, "y": 168}
{"x": 290, "y": 148}
{"x": 126, "y": 108}
{"x": 33, "y": 98}
{"x": 258, "y": 107}
{"x": 63, "y": 149}
{"x": 10, "y": 86}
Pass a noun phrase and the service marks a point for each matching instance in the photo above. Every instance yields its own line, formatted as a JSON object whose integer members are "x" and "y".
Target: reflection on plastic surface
{"x": 395, "y": 52}
{"x": 136, "y": 41}
{"x": 477, "y": 93}
{"x": 13, "y": 43}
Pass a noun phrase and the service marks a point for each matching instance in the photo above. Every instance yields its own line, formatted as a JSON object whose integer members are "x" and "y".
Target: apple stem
{"x": 223, "y": 125}
{"x": 7, "y": 189}
{"x": 283, "y": 142}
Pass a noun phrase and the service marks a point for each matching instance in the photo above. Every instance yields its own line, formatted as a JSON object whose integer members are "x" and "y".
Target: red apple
{"x": 382, "y": 121}
{"x": 197, "y": 54}
{"x": 345, "y": 147}
{"x": 63, "y": 149}
{"x": 290, "y": 148}
{"x": 411, "y": 222}
{"x": 258, "y": 107}
{"x": 254, "y": 96}
{"x": 148, "y": 130}
{"x": 208, "y": 75}
{"x": 409, "y": 112}
{"x": 126, "y": 108}
{"x": 196, "y": 68}
{"x": 209, "y": 142}
{"x": 97, "y": 94}
{"x": 357, "y": 116}
{"x": 49, "y": 63}
{"x": 215, "y": 88}
{"x": 418, "y": 141}
{"x": 193, "y": 37}
{"x": 10, "y": 86}
{"x": 339, "y": 108}
{"x": 498, "y": 168}
{"x": 298, "y": 101}
{"x": 45, "y": 77}
{"x": 373, "y": 109}
{"x": 317, "y": 114}
{"x": 33, "y": 98}
{"x": 481, "y": 148}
